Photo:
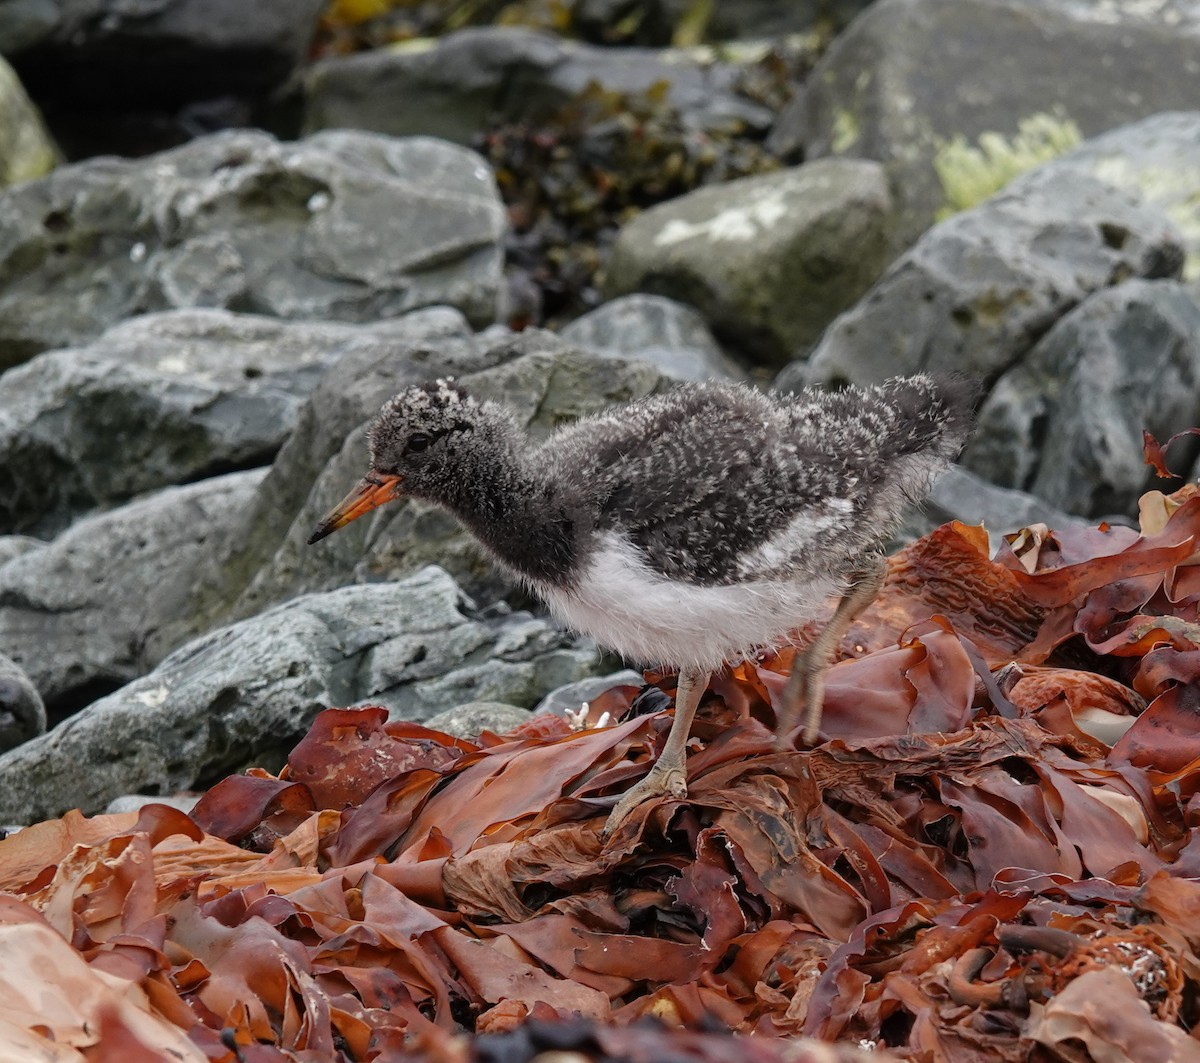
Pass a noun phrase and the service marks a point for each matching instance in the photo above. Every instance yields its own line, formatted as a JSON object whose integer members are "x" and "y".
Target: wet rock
{"x": 658, "y": 330}
{"x": 22, "y": 713}
{"x": 189, "y": 394}
{"x": 26, "y": 149}
{"x": 245, "y": 694}
{"x": 547, "y": 382}
{"x": 1066, "y": 423}
{"x": 475, "y": 717}
{"x": 956, "y": 97}
{"x": 110, "y": 597}
{"x": 770, "y": 259}
{"x": 343, "y": 225}
{"x": 461, "y": 84}
{"x": 977, "y": 291}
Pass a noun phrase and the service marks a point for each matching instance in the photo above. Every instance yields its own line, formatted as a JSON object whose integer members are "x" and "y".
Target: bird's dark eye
{"x": 416, "y": 442}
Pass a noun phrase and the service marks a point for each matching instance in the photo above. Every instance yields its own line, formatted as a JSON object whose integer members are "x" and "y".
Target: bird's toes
{"x": 660, "y": 782}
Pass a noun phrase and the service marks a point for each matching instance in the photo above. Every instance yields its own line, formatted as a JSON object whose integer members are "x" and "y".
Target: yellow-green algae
{"x": 972, "y": 173}
{"x": 845, "y": 132}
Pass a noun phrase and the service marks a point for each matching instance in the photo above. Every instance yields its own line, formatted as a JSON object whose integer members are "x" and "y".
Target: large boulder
{"x": 769, "y": 260}
{"x": 1066, "y": 423}
{"x": 977, "y": 291}
{"x": 26, "y": 149}
{"x": 957, "y": 96}
{"x": 165, "y": 399}
{"x": 246, "y": 694}
{"x": 342, "y": 225}
{"x": 109, "y": 598}
{"x": 458, "y": 86}
{"x": 670, "y": 335}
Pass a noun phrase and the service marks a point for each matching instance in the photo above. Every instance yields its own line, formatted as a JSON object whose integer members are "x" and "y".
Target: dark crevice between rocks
{"x": 79, "y": 697}
{"x": 258, "y": 460}
{"x": 155, "y": 96}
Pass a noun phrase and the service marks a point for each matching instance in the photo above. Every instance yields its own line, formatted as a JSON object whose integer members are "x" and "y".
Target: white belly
{"x": 627, "y": 607}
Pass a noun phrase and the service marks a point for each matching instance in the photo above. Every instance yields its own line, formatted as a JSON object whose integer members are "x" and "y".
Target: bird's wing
{"x": 698, "y": 482}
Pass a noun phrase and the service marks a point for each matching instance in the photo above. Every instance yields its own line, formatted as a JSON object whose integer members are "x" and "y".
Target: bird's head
{"x": 424, "y": 443}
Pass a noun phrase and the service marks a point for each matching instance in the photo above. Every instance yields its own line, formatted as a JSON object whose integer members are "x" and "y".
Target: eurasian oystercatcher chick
{"x": 687, "y": 530}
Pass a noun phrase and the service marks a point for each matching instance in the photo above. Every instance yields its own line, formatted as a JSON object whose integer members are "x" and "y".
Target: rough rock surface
{"x": 26, "y": 148}
{"x": 956, "y": 96}
{"x": 769, "y": 260}
{"x": 22, "y": 713}
{"x": 245, "y": 694}
{"x": 457, "y": 86}
{"x": 978, "y": 290}
{"x": 109, "y": 598}
{"x": 547, "y": 382}
{"x": 475, "y": 717}
{"x": 343, "y": 225}
{"x": 1066, "y": 424}
{"x": 1157, "y": 160}
{"x": 658, "y": 330}
{"x": 187, "y": 393}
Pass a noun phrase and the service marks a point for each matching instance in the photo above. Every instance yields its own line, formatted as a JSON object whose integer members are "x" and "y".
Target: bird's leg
{"x": 669, "y": 774}
{"x": 806, "y": 684}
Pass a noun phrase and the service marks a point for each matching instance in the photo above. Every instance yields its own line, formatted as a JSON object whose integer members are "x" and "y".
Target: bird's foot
{"x": 664, "y": 779}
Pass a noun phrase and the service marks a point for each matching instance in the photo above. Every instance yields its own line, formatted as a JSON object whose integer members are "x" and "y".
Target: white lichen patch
{"x": 745, "y": 222}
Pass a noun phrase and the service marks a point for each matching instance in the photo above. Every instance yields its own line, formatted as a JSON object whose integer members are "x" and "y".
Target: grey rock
{"x": 458, "y": 86}
{"x": 957, "y": 96}
{"x": 768, "y": 259}
{"x": 1157, "y": 160}
{"x": 658, "y": 330}
{"x": 22, "y": 713}
{"x": 475, "y": 717}
{"x": 546, "y": 381}
{"x": 174, "y": 47}
{"x": 574, "y": 695}
{"x": 342, "y": 225}
{"x": 1066, "y": 423}
{"x": 188, "y": 393}
{"x": 26, "y": 149}
{"x": 109, "y": 598}
{"x": 136, "y": 802}
{"x": 15, "y": 545}
{"x": 959, "y": 494}
{"x": 245, "y": 694}
{"x": 978, "y": 290}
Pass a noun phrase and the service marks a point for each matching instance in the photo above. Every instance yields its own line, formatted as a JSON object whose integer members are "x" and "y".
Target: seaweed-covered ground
{"x": 993, "y": 855}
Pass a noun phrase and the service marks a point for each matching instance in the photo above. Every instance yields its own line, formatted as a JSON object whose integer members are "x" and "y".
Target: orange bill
{"x": 373, "y": 490}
